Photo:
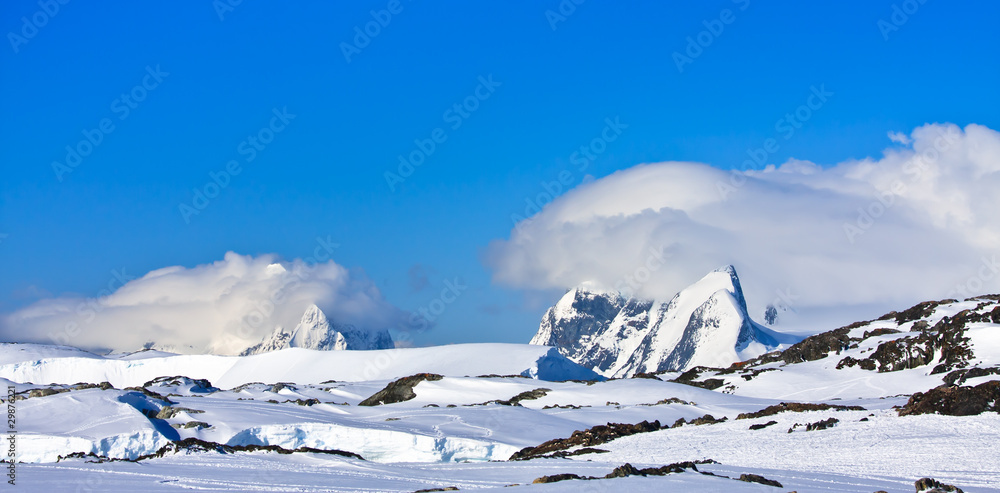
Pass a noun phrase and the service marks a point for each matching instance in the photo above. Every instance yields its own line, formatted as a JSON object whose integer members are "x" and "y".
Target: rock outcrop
{"x": 399, "y": 390}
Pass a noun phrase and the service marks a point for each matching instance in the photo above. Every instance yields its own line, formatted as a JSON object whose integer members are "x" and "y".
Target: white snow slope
{"x": 460, "y": 430}
{"x": 290, "y": 365}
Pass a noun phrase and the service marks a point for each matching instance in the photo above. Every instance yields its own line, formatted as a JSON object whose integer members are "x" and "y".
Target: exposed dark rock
{"x": 770, "y": 315}
{"x": 626, "y": 470}
{"x": 761, "y": 426}
{"x": 818, "y": 346}
{"x": 582, "y": 451}
{"x": 623, "y": 471}
{"x": 928, "y": 485}
{"x": 199, "y": 385}
{"x": 278, "y": 387}
{"x": 672, "y": 468}
{"x": 994, "y": 297}
{"x": 822, "y": 425}
{"x": 651, "y": 376}
{"x": 946, "y": 337}
{"x": 87, "y": 385}
{"x": 399, "y": 390}
{"x": 796, "y": 407}
{"x": 763, "y": 359}
{"x": 589, "y": 437}
{"x": 192, "y": 424}
{"x": 754, "y": 478}
{"x": 669, "y": 400}
{"x": 59, "y": 389}
{"x": 171, "y": 411}
{"x": 857, "y": 325}
{"x": 958, "y": 377}
{"x": 819, "y": 425}
{"x": 879, "y": 332}
{"x": 556, "y": 477}
{"x": 749, "y": 374}
{"x": 446, "y": 488}
{"x": 241, "y": 388}
{"x": 150, "y": 393}
{"x": 689, "y": 377}
{"x": 43, "y": 392}
{"x": 196, "y": 445}
{"x": 707, "y": 419}
{"x": 594, "y": 314}
{"x": 920, "y": 310}
{"x": 955, "y": 401}
{"x": 304, "y": 402}
{"x": 527, "y": 395}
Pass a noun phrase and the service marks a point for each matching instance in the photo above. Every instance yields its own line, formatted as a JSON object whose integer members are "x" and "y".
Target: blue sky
{"x": 557, "y": 80}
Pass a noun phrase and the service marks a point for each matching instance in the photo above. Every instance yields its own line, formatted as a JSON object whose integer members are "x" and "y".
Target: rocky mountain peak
{"x": 315, "y": 331}
{"x": 704, "y": 324}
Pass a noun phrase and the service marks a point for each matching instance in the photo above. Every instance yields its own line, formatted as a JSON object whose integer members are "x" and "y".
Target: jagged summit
{"x": 315, "y": 331}
{"x": 705, "y": 324}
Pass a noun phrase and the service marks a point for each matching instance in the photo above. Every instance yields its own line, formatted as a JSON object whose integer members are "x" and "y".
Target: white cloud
{"x": 915, "y": 224}
{"x": 221, "y": 307}
{"x": 899, "y": 138}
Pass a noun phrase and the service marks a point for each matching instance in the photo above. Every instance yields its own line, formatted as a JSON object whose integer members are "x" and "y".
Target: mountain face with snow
{"x": 315, "y": 331}
{"x": 706, "y": 324}
{"x": 896, "y": 396}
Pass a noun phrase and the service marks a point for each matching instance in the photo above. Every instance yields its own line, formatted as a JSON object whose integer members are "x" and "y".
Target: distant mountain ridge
{"x": 315, "y": 331}
{"x": 706, "y": 324}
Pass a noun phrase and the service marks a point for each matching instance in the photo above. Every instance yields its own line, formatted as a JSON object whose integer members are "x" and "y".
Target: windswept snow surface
{"x": 42, "y": 364}
{"x": 458, "y": 431}
{"x": 314, "y": 473}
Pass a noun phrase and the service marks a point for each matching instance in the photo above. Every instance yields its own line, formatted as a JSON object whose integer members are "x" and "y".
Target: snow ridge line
{"x": 196, "y": 445}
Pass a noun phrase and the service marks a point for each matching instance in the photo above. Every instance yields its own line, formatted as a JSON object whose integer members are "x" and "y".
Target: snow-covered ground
{"x": 307, "y": 472}
{"x": 461, "y": 429}
{"x": 51, "y": 364}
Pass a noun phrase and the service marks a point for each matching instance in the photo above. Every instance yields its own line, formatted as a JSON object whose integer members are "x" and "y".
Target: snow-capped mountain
{"x": 870, "y": 406}
{"x": 706, "y": 324}
{"x": 315, "y": 331}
